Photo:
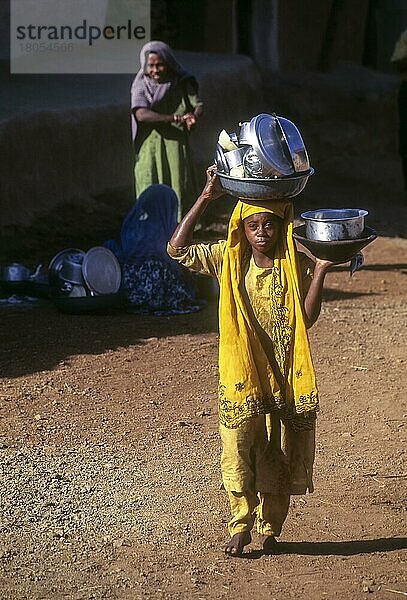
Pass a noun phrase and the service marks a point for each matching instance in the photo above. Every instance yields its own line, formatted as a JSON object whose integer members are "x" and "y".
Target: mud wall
{"x": 54, "y": 156}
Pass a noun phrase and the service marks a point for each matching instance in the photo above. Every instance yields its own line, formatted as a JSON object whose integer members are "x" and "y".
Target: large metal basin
{"x": 264, "y": 189}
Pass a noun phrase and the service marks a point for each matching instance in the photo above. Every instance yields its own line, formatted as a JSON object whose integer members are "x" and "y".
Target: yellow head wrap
{"x": 277, "y": 207}
{"x": 259, "y": 374}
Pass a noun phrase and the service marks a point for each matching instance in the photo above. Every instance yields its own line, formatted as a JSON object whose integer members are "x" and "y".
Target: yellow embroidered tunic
{"x": 264, "y": 290}
{"x": 285, "y": 457}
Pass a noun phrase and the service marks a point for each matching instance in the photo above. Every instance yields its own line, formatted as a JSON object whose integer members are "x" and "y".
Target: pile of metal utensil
{"x": 83, "y": 281}
{"x": 268, "y": 159}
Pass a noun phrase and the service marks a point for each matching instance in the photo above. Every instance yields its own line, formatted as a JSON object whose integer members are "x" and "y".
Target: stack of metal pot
{"x": 74, "y": 273}
{"x": 268, "y": 146}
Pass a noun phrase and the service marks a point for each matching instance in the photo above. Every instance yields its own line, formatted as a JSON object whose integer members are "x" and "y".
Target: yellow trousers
{"x": 269, "y": 511}
{"x": 262, "y": 463}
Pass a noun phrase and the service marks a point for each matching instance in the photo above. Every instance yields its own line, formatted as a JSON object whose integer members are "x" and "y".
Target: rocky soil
{"x": 109, "y": 451}
{"x": 109, "y": 454}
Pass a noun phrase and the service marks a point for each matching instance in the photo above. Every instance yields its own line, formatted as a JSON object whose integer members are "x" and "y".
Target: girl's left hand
{"x": 325, "y": 265}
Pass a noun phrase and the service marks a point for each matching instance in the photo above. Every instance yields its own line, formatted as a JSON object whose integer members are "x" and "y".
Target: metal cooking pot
{"x": 253, "y": 167}
{"x": 67, "y": 289}
{"x": 18, "y": 272}
{"x": 234, "y": 158}
{"x": 330, "y": 224}
{"x": 71, "y": 269}
{"x": 244, "y": 135}
{"x": 234, "y": 138}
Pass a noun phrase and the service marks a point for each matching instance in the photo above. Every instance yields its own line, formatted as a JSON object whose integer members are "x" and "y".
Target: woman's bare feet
{"x": 269, "y": 544}
{"x": 235, "y": 545}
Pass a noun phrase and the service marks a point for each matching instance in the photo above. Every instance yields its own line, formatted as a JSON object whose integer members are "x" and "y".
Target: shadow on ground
{"x": 329, "y": 295}
{"x": 345, "y": 548}
{"x": 41, "y": 342}
{"x": 385, "y": 267}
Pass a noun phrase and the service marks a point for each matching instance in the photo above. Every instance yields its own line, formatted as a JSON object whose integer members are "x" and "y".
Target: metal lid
{"x": 293, "y": 143}
{"x": 267, "y": 142}
{"x": 101, "y": 271}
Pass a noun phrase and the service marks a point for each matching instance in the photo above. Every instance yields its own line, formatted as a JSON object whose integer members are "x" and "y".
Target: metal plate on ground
{"x": 101, "y": 271}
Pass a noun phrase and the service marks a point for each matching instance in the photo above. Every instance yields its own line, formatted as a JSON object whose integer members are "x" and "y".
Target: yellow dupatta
{"x": 250, "y": 381}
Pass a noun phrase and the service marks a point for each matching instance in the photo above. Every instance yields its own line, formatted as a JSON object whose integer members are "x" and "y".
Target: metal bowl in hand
{"x": 335, "y": 251}
{"x": 333, "y": 224}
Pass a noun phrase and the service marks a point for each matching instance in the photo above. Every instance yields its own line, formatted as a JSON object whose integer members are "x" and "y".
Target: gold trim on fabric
{"x": 233, "y": 414}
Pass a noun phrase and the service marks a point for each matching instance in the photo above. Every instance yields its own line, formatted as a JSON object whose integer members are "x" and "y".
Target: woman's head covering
{"x": 237, "y": 241}
{"x": 252, "y": 381}
{"x": 148, "y": 226}
{"x": 166, "y": 55}
{"x": 153, "y": 282}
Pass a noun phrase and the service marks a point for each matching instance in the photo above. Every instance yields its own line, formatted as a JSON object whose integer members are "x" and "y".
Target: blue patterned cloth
{"x": 152, "y": 282}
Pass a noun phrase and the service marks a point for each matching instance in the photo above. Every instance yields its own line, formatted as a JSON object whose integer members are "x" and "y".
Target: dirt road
{"x": 109, "y": 451}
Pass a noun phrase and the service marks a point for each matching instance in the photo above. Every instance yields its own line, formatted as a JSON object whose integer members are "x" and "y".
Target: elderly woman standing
{"x": 165, "y": 107}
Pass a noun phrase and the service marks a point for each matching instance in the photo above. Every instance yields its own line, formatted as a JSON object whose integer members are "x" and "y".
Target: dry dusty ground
{"x": 109, "y": 454}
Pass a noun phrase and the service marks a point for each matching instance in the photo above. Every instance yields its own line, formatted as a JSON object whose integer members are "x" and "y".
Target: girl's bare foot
{"x": 270, "y": 544}
{"x": 236, "y": 543}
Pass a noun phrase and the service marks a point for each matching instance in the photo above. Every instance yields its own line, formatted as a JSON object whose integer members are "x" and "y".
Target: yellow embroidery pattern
{"x": 273, "y": 316}
{"x": 233, "y": 414}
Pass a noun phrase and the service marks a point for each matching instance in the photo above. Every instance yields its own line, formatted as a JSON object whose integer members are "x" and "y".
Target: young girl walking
{"x": 268, "y": 399}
